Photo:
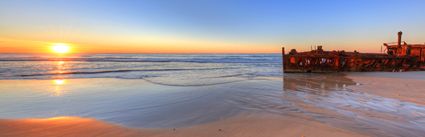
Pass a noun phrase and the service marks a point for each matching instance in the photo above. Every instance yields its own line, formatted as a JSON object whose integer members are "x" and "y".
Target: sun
{"x": 61, "y": 48}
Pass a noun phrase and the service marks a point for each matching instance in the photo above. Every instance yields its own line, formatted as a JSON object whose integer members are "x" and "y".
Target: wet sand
{"x": 61, "y": 126}
{"x": 404, "y": 86}
{"x": 351, "y": 104}
{"x": 240, "y": 126}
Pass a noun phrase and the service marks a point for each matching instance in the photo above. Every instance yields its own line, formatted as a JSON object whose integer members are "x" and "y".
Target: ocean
{"x": 168, "y": 69}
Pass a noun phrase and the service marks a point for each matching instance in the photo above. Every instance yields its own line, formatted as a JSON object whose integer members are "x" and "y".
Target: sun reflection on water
{"x": 60, "y": 68}
{"x": 61, "y": 62}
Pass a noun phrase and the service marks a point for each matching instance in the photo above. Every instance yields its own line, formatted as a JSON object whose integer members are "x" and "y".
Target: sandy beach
{"x": 240, "y": 126}
{"x": 405, "y": 86}
{"x": 352, "y": 104}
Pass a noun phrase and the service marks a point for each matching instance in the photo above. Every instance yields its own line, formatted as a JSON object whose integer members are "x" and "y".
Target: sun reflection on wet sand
{"x": 59, "y": 118}
{"x": 59, "y": 82}
{"x": 62, "y": 126}
{"x": 58, "y": 90}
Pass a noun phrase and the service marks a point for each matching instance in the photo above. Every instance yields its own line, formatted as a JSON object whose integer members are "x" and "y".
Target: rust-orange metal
{"x": 398, "y": 57}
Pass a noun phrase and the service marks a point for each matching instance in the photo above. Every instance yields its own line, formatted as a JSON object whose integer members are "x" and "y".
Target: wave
{"x": 190, "y": 67}
{"x": 191, "y": 84}
{"x": 115, "y": 71}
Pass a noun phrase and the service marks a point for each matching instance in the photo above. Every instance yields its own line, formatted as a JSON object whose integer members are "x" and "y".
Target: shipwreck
{"x": 397, "y": 56}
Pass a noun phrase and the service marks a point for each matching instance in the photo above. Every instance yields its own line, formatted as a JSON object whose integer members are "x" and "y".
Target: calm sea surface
{"x": 168, "y": 69}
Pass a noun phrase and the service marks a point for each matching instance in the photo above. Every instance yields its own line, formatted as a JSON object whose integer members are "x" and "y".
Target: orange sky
{"x": 206, "y": 27}
{"x": 171, "y": 46}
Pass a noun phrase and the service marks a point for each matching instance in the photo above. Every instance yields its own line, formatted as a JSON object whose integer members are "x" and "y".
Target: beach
{"x": 408, "y": 86}
{"x": 308, "y": 105}
{"x": 247, "y": 126}
{"x": 216, "y": 95}
{"x": 212, "y": 68}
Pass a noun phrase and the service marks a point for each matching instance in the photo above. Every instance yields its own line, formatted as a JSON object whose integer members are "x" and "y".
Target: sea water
{"x": 168, "y": 69}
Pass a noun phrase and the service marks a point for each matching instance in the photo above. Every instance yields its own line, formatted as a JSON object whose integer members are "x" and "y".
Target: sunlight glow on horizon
{"x": 219, "y": 26}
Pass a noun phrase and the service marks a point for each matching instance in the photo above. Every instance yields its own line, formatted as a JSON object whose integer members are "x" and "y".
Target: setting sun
{"x": 60, "y": 48}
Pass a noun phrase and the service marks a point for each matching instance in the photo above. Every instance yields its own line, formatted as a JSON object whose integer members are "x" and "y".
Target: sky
{"x": 207, "y": 26}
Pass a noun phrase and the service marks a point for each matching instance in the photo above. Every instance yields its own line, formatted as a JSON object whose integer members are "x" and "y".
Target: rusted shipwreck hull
{"x": 398, "y": 58}
{"x": 337, "y": 61}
